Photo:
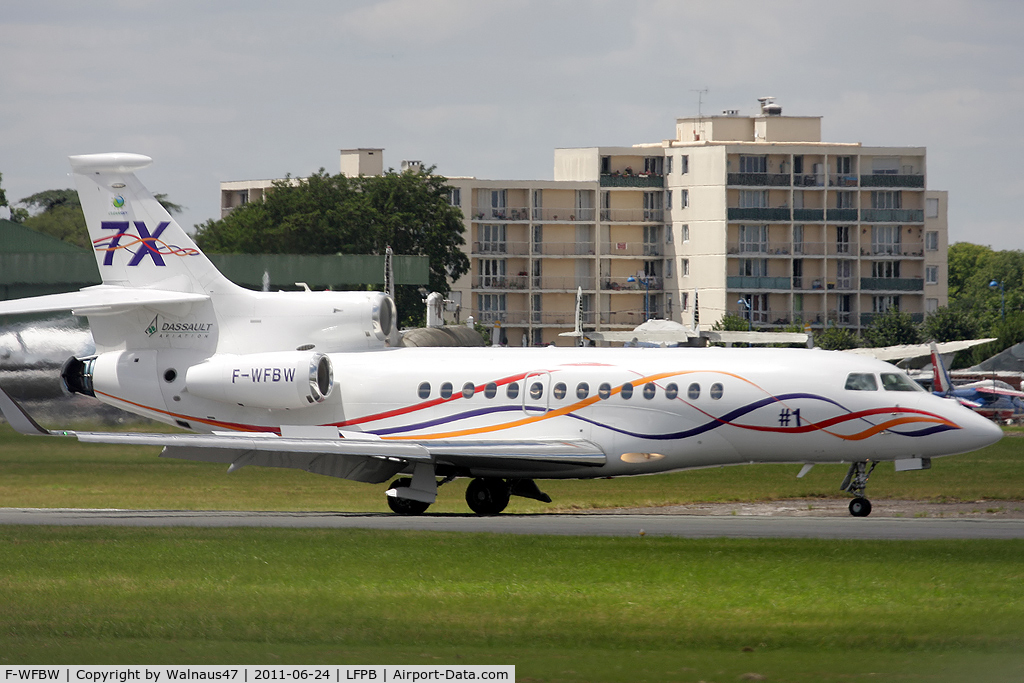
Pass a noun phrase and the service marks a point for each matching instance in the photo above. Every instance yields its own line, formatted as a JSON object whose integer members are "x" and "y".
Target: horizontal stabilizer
{"x": 99, "y": 300}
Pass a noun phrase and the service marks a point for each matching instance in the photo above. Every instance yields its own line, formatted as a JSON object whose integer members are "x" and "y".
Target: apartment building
{"x": 754, "y": 213}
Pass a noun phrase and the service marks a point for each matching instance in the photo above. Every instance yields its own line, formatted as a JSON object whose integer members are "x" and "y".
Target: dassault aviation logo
{"x": 139, "y": 244}
{"x": 181, "y": 329}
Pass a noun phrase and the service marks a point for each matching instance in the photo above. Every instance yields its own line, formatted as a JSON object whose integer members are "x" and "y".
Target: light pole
{"x": 646, "y": 279}
{"x": 746, "y": 306}
{"x": 1002, "y": 297}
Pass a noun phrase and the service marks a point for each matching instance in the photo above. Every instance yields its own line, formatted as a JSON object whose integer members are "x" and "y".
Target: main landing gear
{"x": 484, "y": 495}
{"x": 856, "y": 482}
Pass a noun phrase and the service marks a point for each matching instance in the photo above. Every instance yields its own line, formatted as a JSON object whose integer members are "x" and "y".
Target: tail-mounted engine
{"x": 289, "y": 379}
{"x": 76, "y": 375}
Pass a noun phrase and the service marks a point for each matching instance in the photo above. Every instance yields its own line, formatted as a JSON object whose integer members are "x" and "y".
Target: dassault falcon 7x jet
{"x": 315, "y": 381}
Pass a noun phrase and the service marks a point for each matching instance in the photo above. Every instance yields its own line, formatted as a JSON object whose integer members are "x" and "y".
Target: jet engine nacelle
{"x": 288, "y": 379}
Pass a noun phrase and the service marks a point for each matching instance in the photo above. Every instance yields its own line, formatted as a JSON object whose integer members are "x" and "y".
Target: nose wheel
{"x": 856, "y": 482}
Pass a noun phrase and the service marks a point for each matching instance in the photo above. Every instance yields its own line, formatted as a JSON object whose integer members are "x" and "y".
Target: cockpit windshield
{"x": 897, "y": 381}
{"x": 861, "y": 381}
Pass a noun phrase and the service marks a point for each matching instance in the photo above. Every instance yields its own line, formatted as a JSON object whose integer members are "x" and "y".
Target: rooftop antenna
{"x": 699, "y": 132}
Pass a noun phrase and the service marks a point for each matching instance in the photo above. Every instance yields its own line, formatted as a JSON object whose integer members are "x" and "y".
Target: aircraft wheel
{"x": 860, "y": 507}
{"x": 404, "y": 506}
{"x": 487, "y": 496}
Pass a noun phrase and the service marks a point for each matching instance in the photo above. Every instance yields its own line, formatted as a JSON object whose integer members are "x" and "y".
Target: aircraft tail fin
{"x": 940, "y": 378}
{"x": 137, "y": 243}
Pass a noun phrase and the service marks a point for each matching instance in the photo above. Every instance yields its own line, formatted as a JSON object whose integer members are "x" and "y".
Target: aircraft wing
{"x": 98, "y": 300}
{"x": 998, "y": 390}
{"x": 326, "y": 450}
{"x": 900, "y": 352}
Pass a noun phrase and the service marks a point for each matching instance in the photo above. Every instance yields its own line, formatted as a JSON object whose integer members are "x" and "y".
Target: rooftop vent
{"x": 414, "y": 166}
{"x": 768, "y": 106}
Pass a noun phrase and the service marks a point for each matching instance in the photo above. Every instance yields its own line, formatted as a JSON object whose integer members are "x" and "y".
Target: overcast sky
{"x": 234, "y": 90}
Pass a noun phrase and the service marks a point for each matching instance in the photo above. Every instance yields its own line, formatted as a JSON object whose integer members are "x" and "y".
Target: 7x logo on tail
{"x": 149, "y": 244}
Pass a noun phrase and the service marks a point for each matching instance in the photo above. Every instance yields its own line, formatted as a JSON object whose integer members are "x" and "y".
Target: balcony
{"x": 631, "y": 318}
{"x": 643, "y": 180}
{"x": 747, "y": 283}
{"x": 905, "y": 249}
{"x": 772, "y": 317}
{"x": 892, "y": 215}
{"x": 616, "y": 284}
{"x": 501, "y": 213}
{"x": 759, "y": 179}
{"x": 633, "y": 215}
{"x": 812, "y": 215}
{"x": 501, "y": 282}
{"x": 563, "y": 249}
{"x": 562, "y": 318}
{"x": 501, "y": 248}
{"x": 808, "y": 283}
{"x": 631, "y": 249}
{"x": 507, "y": 318}
{"x": 843, "y": 215}
{"x": 563, "y": 283}
{"x": 760, "y": 248}
{"x": 842, "y": 180}
{"x": 807, "y": 180}
{"x": 892, "y": 180}
{"x": 892, "y": 284}
{"x": 759, "y": 214}
{"x": 563, "y": 214}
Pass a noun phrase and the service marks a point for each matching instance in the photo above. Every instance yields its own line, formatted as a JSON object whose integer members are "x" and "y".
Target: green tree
{"x": 836, "y": 339}
{"x": 950, "y": 324}
{"x": 325, "y": 214}
{"x": 3, "y": 195}
{"x": 891, "y": 329}
{"x": 58, "y": 213}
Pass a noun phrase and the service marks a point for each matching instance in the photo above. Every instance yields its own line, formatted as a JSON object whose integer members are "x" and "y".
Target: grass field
{"x": 560, "y": 609}
{"x": 573, "y": 609}
{"x": 45, "y": 472}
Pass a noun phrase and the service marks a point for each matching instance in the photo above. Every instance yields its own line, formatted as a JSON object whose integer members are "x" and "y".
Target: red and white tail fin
{"x": 940, "y": 378}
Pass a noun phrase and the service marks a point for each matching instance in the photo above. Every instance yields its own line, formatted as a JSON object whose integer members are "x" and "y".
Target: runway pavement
{"x": 588, "y": 524}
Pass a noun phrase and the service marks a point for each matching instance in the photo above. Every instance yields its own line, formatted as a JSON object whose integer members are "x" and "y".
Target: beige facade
{"x": 757, "y": 214}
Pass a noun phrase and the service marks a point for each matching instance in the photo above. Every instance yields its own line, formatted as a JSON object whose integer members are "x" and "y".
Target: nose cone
{"x": 978, "y": 431}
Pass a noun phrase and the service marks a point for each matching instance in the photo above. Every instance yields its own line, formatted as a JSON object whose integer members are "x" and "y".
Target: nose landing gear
{"x": 856, "y": 482}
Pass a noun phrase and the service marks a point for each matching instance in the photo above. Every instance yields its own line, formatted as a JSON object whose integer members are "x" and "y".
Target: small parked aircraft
{"x": 313, "y": 381}
{"x": 992, "y": 398}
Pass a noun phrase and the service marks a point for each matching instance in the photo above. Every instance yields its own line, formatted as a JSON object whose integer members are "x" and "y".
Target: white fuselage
{"x": 688, "y": 408}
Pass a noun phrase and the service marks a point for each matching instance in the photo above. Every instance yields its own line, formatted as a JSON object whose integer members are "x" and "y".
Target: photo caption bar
{"x": 256, "y": 674}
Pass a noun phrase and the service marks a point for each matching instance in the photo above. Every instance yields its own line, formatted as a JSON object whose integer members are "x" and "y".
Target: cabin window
{"x": 693, "y": 391}
{"x": 446, "y": 390}
{"x": 861, "y": 381}
{"x": 896, "y": 381}
{"x": 605, "y": 390}
{"x": 536, "y": 390}
{"x": 582, "y": 390}
{"x": 491, "y": 390}
{"x": 627, "y": 391}
{"x": 559, "y": 391}
{"x": 512, "y": 390}
{"x": 716, "y": 391}
{"x": 467, "y": 390}
{"x": 424, "y": 390}
{"x": 649, "y": 390}
{"x": 671, "y": 391}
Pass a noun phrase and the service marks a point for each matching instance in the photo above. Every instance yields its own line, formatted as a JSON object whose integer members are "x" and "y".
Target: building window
{"x": 753, "y": 199}
{"x": 492, "y": 239}
{"x": 842, "y": 239}
{"x": 686, "y": 233}
{"x": 798, "y": 239}
{"x": 886, "y": 199}
{"x": 668, "y": 199}
{"x": 844, "y": 165}
{"x": 668, "y": 233}
{"x": 753, "y": 238}
{"x": 883, "y": 304}
{"x": 606, "y": 164}
{"x": 668, "y": 165}
{"x": 885, "y": 269}
{"x": 685, "y": 270}
{"x": 492, "y": 272}
{"x": 753, "y": 164}
{"x": 684, "y": 164}
{"x": 845, "y": 200}
{"x": 684, "y": 301}
{"x": 886, "y": 239}
{"x": 931, "y": 275}
{"x": 668, "y": 267}
{"x": 684, "y": 198}
{"x": 753, "y": 267}
{"x": 931, "y": 305}
{"x": 653, "y": 206}
{"x": 455, "y": 196}
{"x": 931, "y": 207}
{"x": 654, "y": 165}
{"x": 931, "y": 240}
